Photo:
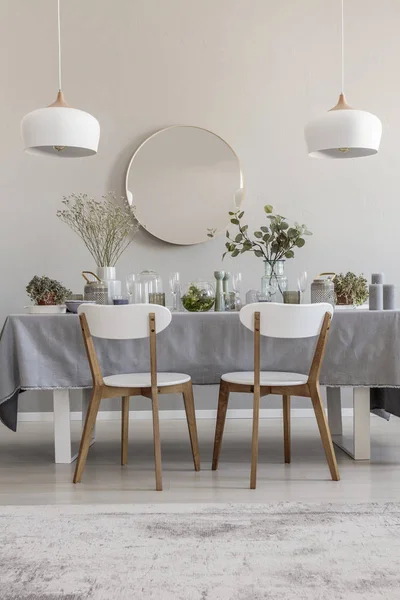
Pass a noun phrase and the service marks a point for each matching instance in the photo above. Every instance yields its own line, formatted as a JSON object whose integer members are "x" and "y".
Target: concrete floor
{"x": 29, "y": 476}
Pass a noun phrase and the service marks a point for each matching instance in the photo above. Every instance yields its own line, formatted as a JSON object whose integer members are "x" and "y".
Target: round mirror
{"x": 183, "y": 182}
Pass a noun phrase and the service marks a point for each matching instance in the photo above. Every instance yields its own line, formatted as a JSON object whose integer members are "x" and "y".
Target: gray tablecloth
{"x": 47, "y": 352}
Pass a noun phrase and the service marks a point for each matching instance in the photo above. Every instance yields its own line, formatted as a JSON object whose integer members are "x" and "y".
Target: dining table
{"x": 46, "y": 352}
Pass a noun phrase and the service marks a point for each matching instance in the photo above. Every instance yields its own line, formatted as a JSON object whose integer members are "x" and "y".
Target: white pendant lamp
{"x": 343, "y": 132}
{"x": 59, "y": 130}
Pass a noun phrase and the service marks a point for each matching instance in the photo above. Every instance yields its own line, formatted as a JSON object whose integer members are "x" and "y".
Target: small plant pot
{"x": 343, "y": 301}
{"x": 48, "y": 301}
{"x": 350, "y": 289}
{"x": 46, "y": 309}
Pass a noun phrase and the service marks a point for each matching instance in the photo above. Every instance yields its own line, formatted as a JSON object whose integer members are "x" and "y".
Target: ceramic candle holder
{"x": 157, "y": 298}
{"x": 291, "y": 297}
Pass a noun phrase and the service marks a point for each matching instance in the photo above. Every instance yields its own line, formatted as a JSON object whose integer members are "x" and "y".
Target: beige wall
{"x": 253, "y": 71}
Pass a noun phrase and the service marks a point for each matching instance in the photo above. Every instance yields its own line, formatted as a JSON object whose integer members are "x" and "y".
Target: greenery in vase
{"x": 276, "y": 240}
{"x": 197, "y": 300}
{"x": 350, "y": 289}
{"x": 105, "y": 228}
{"x": 43, "y": 290}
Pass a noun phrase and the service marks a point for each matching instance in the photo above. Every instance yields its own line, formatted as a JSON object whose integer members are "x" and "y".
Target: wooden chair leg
{"x": 191, "y": 421}
{"x": 90, "y": 421}
{"x": 157, "y": 442}
{"x": 223, "y": 400}
{"x": 325, "y": 434}
{"x": 124, "y": 430}
{"x": 286, "y": 428}
{"x": 254, "y": 444}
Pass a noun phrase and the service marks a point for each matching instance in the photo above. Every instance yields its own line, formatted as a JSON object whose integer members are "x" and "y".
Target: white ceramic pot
{"x": 46, "y": 309}
{"x": 108, "y": 275}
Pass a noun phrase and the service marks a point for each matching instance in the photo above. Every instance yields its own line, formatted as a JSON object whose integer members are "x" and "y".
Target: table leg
{"x": 62, "y": 427}
{"x": 359, "y": 446}
{"x": 63, "y": 450}
{"x": 361, "y": 423}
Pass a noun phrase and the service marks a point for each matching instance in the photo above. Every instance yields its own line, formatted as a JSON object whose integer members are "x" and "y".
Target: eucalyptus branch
{"x": 272, "y": 242}
{"x": 105, "y": 228}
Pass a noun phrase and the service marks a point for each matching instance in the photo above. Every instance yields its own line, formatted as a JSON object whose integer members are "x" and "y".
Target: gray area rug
{"x": 200, "y": 552}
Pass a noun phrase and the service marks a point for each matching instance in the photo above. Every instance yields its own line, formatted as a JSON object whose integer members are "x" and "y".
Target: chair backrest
{"x": 126, "y": 322}
{"x": 286, "y": 320}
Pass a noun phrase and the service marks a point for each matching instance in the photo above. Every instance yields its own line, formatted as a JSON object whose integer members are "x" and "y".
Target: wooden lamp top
{"x": 59, "y": 101}
{"x": 342, "y": 104}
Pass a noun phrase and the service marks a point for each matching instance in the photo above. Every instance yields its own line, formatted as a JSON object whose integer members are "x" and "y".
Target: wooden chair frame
{"x": 100, "y": 391}
{"x": 311, "y": 389}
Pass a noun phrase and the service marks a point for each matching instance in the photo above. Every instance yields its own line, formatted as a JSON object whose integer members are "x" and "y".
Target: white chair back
{"x": 286, "y": 320}
{"x": 126, "y": 322}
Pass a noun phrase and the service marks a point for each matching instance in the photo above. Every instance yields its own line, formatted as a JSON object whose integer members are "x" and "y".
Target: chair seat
{"x": 136, "y": 380}
{"x": 267, "y": 378}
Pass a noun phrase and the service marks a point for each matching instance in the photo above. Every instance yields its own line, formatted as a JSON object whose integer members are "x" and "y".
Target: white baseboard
{"x": 171, "y": 415}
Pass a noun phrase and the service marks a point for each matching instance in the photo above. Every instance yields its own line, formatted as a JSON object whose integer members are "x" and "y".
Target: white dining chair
{"x": 132, "y": 321}
{"x": 280, "y": 321}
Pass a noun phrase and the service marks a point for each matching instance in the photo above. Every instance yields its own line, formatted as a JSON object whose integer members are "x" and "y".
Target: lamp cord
{"x": 342, "y": 46}
{"x": 59, "y": 44}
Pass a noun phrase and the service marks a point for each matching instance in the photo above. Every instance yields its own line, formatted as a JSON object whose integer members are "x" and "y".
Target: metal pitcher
{"x": 95, "y": 290}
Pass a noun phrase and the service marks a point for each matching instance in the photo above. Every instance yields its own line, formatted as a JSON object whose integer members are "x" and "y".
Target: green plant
{"x": 350, "y": 289}
{"x": 272, "y": 242}
{"x": 197, "y": 300}
{"x": 105, "y": 228}
{"x": 43, "y": 290}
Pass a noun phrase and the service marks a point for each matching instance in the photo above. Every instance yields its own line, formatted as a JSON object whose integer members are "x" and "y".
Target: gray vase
{"x": 225, "y": 282}
{"x": 219, "y": 293}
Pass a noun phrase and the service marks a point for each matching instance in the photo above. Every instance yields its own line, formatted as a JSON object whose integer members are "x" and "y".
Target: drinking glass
{"x": 120, "y": 300}
{"x": 131, "y": 287}
{"x": 237, "y": 282}
{"x": 175, "y": 287}
{"x": 252, "y": 296}
{"x": 302, "y": 283}
{"x": 237, "y": 286}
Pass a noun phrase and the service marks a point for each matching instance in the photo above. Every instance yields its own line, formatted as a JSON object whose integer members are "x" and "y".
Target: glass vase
{"x": 274, "y": 281}
{"x": 198, "y": 296}
{"x": 148, "y": 282}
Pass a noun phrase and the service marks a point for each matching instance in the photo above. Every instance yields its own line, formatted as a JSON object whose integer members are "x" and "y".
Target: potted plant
{"x": 350, "y": 289}
{"x": 46, "y": 292}
{"x": 273, "y": 242}
{"x": 105, "y": 228}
